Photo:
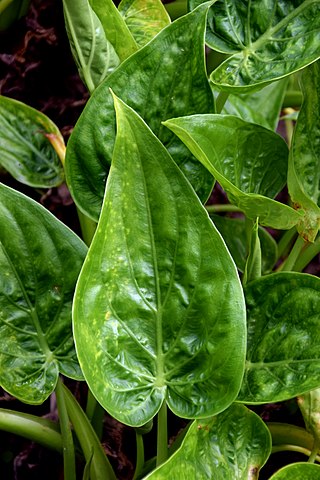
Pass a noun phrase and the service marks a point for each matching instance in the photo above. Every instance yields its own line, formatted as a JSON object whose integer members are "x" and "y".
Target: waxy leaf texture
{"x": 159, "y": 312}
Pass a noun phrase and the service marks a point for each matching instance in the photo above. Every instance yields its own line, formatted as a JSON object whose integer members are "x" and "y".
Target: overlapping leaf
{"x": 233, "y": 445}
{"x": 283, "y": 357}
{"x": 233, "y": 231}
{"x": 93, "y": 53}
{"x": 303, "y": 470}
{"x": 249, "y": 162}
{"x": 165, "y": 78}
{"x": 304, "y": 160}
{"x": 40, "y": 260}
{"x": 25, "y": 150}
{"x": 144, "y": 18}
{"x": 262, "y": 107}
{"x": 266, "y": 39}
{"x": 158, "y": 312}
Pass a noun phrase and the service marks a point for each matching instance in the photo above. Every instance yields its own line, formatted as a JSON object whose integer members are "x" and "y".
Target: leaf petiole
{"x": 162, "y": 435}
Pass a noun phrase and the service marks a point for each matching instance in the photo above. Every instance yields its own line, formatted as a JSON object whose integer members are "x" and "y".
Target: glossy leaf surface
{"x": 283, "y": 357}
{"x": 303, "y": 470}
{"x": 159, "y": 310}
{"x": 115, "y": 28}
{"x": 304, "y": 160}
{"x": 266, "y": 40}
{"x": 93, "y": 53}
{"x": 143, "y": 82}
{"x": 262, "y": 107}
{"x": 25, "y": 151}
{"x": 233, "y": 231}
{"x": 249, "y": 162}
{"x": 234, "y": 445}
{"x": 144, "y": 18}
{"x": 40, "y": 260}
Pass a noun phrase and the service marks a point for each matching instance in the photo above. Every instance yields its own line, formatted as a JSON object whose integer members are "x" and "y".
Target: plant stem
{"x": 222, "y": 208}
{"x": 162, "y": 435}
{"x": 292, "y": 98}
{"x": 88, "y": 227}
{"x": 286, "y": 434}
{"x": 315, "y": 450}
{"x": 69, "y": 462}
{"x": 286, "y": 241}
{"x": 95, "y": 413}
{"x": 140, "y": 455}
{"x": 4, "y": 4}
{"x": 100, "y": 468}
{"x": 39, "y": 430}
{"x": 176, "y": 9}
{"x": 293, "y": 448}
{"x": 311, "y": 250}
{"x": 221, "y": 100}
{"x": 288, "y": 264}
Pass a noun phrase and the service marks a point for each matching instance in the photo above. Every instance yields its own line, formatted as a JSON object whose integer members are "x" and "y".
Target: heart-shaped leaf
{"x": 303, "y": 470}
{"x": 283, "y": 357}
{"x": 150, "y": 84}
{"x": 266, "y": 40}
{"x": 233, "y": 445}
{"x": 40, "y": 260}
{"x": 25, "y": 149}
{"x": 234, "y": 234}
{"x": 262, "y": 107}
{"x": 304, "y": 159}
{"x": 249, "y": 162}
{"x": 144, "y": 18}
{"x": 159, "y": 311}
{"x": 93, "y": 53}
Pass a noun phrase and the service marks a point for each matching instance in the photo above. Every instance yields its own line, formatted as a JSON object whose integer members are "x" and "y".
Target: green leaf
{"x": 159, "y": 311}
{"x": 249, "y": 162}
{"x": 304, "y": 159}
{"x": 144, "y": 18}
{"x": 40, "y": 260}
{"x": 25, "y": 149}
{"x": 142, "y": 81}
{"x": 231, "y": 446}
{"x": 303, "y": 470}
{"x": 233, "y": 231}
{"x": 262, "y": 107}
{"x": 283, "y": 357}
{"x": 309, "y": 405}
{"x": 115, "y": 28}
{"x": 93, "y": 53}
{"x": 266, "y": 40}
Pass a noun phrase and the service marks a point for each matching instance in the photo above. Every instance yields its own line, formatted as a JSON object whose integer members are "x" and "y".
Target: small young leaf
{"x": 283, "y": 357}
{"x": 233, "y": 231}
{"x": 158, "y": 311}
{"x": 233, "y": 445}
{"x": 25, "y": 150}
{"x": 165, "y": 78}
{"x": 249, "y": 162}
{"x": 303, "y": 470}
{"x": 267, "y": 40}
{"x": 93, "y": 53}
{"x": 262, "y": 107}
{"x": 40, "y": 260}
{"x": 304, "y": 159}
{"x": 144, "y": 18}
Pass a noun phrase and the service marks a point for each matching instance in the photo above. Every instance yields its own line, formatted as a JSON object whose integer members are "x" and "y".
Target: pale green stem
{"x": 95, "y": 413}
{"x": 289, "y": 130}
{"x": 4, "y": 4}
{"x": 286, "y": 434}
{"x": 69, "y": 462}
{"x": 39, "y": 430}
{"x": 292, "y": 98}
{"x": 289, "y": 263}
{"x": 140, "y": 455}
{"x": 311, "y": 250}
{"x": 222, "y": 208}
{"x": 293, "y": 448}
{"x": 315, "y": 451}
{"x": 162, "y": 435}
{"x": 286, "y": 241}
{"x": 221, "y": 100}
